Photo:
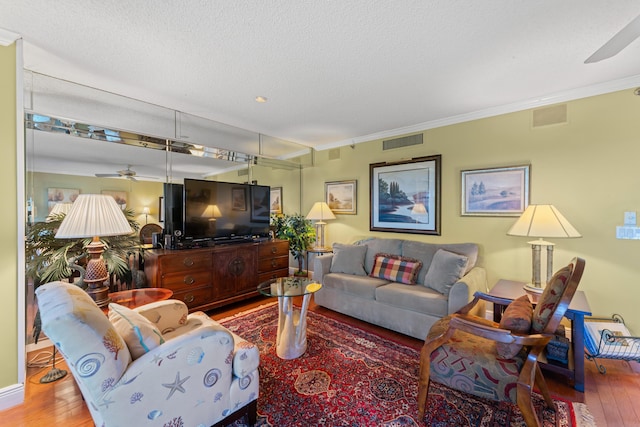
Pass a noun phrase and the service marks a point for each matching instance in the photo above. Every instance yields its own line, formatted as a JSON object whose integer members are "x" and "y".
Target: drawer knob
{"x": 274, "y": 263}
{"x": 188, "y": 262}
{"x": 189, "y": 280}
{"x": 274, "y": 250}
{"x": 189, "y": 298}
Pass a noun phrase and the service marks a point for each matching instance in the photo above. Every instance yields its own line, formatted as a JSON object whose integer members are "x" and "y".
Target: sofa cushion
{"x": 376, "y": 246}
{"x": 348, "y": 259}
{"x": 425, "y": 252}
{"x": 396, "y": 268}
{"x": 446, "y": 269}
{"x": 137, "y": 331}
{"x": 414, "y": 298}
{"x": 516, "y": 318}
{"x": 361, "y": 286}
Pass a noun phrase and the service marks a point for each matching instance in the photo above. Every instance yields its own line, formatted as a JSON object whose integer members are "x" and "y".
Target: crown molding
{"x": 7, "y": 38}
{"x": 569, "y": 95}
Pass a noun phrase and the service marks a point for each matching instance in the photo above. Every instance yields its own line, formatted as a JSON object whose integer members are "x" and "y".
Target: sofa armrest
{"x": 166, "y": 315}
{"x": 462, "y": 291}
{"x": 321, "y": 266}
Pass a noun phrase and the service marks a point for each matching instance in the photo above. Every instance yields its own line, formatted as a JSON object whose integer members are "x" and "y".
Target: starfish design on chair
{"x": 176, "y": 385}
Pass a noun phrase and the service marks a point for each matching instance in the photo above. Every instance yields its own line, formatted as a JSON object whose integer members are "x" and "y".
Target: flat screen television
{"x": 224, "y": 211}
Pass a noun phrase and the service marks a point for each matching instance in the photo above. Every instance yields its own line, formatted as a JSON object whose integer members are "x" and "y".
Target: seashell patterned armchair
{"x": 155, "y": 365}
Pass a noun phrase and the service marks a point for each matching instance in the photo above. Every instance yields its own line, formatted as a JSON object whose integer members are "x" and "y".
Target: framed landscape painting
{"x": 496, "y": 191}
{"x": 341, "y": 196}
{"x": 276, "y": 200}
{"x": 61, "y": 195}
{"x": 405, "y": 196}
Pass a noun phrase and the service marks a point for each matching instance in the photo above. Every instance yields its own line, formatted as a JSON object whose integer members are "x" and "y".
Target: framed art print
{"x": 405, "y": 196}
{"x": 495, "y": 192}
{"x": 275, "y": 206}
{"x": 341, "y": 196}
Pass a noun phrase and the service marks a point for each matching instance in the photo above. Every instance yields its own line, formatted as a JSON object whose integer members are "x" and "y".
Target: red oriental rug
{"x": 351, "y": 377}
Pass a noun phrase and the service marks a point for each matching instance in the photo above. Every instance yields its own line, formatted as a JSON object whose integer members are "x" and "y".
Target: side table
{"x": 578, "y": 309}
{"x": 291, "y": 341}
{"x": 319, "y": 252}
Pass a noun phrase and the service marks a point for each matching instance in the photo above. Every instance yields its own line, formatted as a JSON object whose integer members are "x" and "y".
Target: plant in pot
{"x": 298, "y": 231}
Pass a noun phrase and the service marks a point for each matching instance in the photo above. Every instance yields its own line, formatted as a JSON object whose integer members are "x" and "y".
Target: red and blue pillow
{"x": 396, "y": 268}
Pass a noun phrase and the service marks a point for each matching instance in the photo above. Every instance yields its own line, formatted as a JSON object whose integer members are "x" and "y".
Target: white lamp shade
{"x": 419, "y": 209}
{"x": 59, "y": 209}
{"x": 543, "y": 221}
{"x": 146, "y": 210}
{"x": 320, "y": 211}
{"x": 94, "y": 215}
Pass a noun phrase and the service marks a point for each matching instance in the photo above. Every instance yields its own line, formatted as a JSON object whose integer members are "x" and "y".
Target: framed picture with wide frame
{"x": 502, "y": 191}
{"x": 405, "y": 196}
{"x": 342, "y": 196}
{"x": 275, "y": 205}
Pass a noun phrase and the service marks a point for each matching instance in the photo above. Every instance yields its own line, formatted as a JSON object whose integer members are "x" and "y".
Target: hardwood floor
{"x": 611, "y": 398}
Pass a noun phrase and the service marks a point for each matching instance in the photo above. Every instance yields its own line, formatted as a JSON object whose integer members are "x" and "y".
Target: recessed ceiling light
{"x": 261, "y": 99}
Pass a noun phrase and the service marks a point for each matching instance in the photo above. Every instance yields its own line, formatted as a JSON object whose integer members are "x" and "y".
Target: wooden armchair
{"x": 486, "y": 359}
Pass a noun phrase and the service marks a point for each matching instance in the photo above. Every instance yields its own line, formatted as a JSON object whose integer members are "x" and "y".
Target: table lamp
{"x": 146, "y": 211}
{"x": 542, "y": 221}
{"x": 94, "y": 215}
{"x": 319, "y": 212}
{"x": 419, "y": 211}
{"x": 58, "y": 209}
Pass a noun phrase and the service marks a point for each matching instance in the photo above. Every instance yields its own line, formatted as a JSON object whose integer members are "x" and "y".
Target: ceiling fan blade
{"x": 107, "y": 175}
{"x": 618, "y": 42}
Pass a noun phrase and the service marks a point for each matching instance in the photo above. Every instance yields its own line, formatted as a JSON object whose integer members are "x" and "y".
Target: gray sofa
{"x": 445, "y": 281}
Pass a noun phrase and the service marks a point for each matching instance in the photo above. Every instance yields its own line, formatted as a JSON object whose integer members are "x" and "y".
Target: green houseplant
{"x": 298, "y": 231}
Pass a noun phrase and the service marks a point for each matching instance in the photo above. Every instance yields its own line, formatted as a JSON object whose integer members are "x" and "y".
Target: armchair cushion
{"x": 516, "y": 318}
{"x": 396, "y": 268}
{"x": 549, "y": 300}
{"x": 348, "y": 259}
{"x": 167, "y": 315}
{"x": 445, "y": 270}
{"x": 137, "y": 331}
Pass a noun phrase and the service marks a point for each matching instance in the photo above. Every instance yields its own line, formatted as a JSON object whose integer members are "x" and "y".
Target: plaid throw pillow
{"x": 396, "y": 268}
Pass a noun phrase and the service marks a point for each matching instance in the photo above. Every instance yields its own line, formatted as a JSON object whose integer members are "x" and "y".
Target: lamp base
{"x": 53, "y": 375}
{"x": 533, "y": 288}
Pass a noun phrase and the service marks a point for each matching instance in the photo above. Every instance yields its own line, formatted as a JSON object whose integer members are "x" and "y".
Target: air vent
{"x": 405, "y": 141}
{"x": 553, "y": 115}
{"x": 334, "y": 154}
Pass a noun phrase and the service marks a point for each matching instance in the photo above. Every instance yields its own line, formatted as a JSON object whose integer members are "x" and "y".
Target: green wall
{"x": 8, "y": 231}
{"x": 587, "y": 168}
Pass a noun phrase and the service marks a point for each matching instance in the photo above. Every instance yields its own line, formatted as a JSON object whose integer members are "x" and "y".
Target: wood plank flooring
{"x": 612, "y": 398}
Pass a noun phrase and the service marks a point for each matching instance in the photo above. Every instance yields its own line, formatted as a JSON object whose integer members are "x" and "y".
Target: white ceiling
{"x": 334, "y": 72}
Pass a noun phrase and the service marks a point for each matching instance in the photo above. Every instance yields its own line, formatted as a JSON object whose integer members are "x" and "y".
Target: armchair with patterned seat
{"x": 498, "y": 361}
{"x": 155, "y": 365}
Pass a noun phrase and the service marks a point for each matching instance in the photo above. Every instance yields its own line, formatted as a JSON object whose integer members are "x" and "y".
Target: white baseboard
{"x": 11, "y": 396}
{"x": 43, "y": 342}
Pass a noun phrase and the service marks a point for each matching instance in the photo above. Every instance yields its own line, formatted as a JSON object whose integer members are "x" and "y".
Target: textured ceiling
{"x": 334, "y": 72}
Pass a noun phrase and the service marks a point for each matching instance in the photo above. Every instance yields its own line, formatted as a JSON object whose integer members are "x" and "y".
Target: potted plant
{"x": 298, "y": 231}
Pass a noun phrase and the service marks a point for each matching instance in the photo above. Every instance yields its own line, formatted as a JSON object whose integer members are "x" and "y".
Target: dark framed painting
{"x": 275, "y": 205}
{"x": 238, "y": 199}
{"x": 260, "y": 195}
{"x": 342, "y": 196}
{"x": 405, "y": 196}
{"x": 496, "y": 191}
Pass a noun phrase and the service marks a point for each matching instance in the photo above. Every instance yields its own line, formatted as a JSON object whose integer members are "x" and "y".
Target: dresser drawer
{"x": 185, "y": 262}
{"x": 273, "y": 249}
{"x": 186, "y": 280}
{"x": 269, "y": 264}
{"x": 195, "y": 297}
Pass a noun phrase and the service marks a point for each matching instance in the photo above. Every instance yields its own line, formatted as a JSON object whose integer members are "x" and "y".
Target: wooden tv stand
{"x": 207, "y": 278}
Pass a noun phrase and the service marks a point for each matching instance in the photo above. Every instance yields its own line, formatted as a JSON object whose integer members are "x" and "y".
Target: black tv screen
{"x": 224, "y": 210}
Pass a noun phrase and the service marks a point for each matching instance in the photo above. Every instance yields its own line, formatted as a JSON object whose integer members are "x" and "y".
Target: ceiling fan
{"x": 618, "y": 42}
{"x": 127, "y": 173}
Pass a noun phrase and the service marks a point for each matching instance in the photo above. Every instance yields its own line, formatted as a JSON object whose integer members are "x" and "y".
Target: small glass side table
{"x": 291, "y": 341}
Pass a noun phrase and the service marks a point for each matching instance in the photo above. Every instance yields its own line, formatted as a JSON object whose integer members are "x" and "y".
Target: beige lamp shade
{"x": 146, "y": 210}
{"x": 94, "y": 215}
{"x": 320, "y": 211}
{"x": 212, "y": 211}
{"x": 543, "y": 221}
{"x": 59, "y": 209}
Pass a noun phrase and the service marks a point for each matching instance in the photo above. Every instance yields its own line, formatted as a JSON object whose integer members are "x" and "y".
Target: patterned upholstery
{"x": 549, "y": 300}
{"x": 460, "y": 350}
{"x": 199, "y": 375}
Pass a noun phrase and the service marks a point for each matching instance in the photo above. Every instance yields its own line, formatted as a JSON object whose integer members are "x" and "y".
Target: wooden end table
{"x": 578, "y": 309}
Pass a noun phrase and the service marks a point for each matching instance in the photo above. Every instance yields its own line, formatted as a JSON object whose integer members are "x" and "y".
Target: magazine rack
{"x": 609, "y": 338}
